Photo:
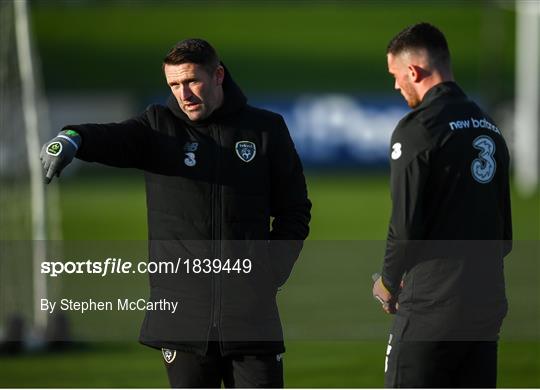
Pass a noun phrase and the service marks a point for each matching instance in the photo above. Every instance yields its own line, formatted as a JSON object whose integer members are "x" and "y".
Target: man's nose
{"x": 185, "y": 92}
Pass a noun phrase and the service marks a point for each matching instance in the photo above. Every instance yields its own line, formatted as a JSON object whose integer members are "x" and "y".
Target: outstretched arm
{"x": 129, "y": 144}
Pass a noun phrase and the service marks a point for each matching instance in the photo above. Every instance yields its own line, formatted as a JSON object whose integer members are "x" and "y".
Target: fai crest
{"x": 168, "y": 355}
{"x": 246, "y": 150}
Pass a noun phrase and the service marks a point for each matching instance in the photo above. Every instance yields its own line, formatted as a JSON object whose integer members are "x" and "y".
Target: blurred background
{"x": 322, "y": 65}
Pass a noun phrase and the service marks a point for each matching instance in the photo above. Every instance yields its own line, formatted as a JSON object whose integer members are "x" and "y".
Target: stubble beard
{"x": 411, "y": 96}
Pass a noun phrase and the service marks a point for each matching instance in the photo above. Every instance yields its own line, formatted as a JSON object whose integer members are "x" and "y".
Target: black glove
{"x": 58, "y": 152}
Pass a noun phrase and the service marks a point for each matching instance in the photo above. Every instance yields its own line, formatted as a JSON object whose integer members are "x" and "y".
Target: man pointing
{"x": 216, "y": 171}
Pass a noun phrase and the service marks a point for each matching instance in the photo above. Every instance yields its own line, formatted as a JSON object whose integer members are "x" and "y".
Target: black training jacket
{"x": 212, "y": 188}
{"x": 451, "y": 223}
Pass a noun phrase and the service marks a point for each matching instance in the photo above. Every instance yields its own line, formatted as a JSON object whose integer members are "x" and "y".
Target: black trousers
{"x": 441, "y": 364}
{"x": 211, "y": 370}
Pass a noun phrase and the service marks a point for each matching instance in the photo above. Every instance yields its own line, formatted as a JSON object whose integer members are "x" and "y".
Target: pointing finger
{"x": 50, "y": 173}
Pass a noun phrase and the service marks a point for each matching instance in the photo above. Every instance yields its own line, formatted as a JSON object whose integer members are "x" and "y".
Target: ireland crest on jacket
{"x": 246, "y": 150}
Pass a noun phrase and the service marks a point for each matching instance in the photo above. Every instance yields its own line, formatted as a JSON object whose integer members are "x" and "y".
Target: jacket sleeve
{"x": 289, "y": 203}
{"x": 115, "y": 144}
{"x": 508, "y": 237}
{"x": 129, "y": 144}
{"x": 409, "y": 172}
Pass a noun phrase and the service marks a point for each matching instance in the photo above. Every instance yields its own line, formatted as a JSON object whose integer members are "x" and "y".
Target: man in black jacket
{"x": 450, "y": 226}
{"x": 216, "y": 171}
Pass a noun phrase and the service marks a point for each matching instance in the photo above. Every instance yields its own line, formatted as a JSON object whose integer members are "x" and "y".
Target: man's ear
{"x": 220, "y": 75}
{"x": 416, "y": 73}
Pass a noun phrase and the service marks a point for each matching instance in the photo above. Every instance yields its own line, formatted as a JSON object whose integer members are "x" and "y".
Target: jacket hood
{"x": 233, "y": 100}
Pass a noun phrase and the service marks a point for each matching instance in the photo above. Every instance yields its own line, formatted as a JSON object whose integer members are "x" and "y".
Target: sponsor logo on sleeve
{"x": 396, "y": 151}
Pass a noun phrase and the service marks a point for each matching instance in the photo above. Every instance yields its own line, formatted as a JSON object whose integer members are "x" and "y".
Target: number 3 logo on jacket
{"x": 483, "y": 168}
{"x": 396, "y": 151}
{"x": 189, "y": 149}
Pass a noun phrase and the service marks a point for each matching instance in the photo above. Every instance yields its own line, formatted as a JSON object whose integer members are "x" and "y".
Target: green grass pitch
{"x": 346, "y": 207}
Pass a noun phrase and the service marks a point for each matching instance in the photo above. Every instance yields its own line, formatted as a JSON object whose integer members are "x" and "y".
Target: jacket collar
{"x": 233, "y": 101}
{"x": 447, "y": 88}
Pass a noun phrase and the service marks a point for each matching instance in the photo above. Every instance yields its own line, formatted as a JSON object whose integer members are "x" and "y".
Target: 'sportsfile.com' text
{"x": 112, "y": 266}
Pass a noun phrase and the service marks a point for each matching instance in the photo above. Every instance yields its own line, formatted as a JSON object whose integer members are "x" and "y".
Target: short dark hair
{"x": 422, "y": 36}
{"x": 194, "y": 51}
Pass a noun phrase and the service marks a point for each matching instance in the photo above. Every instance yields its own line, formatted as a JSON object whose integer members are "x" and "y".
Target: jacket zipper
{"x": 216, "y": 233}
